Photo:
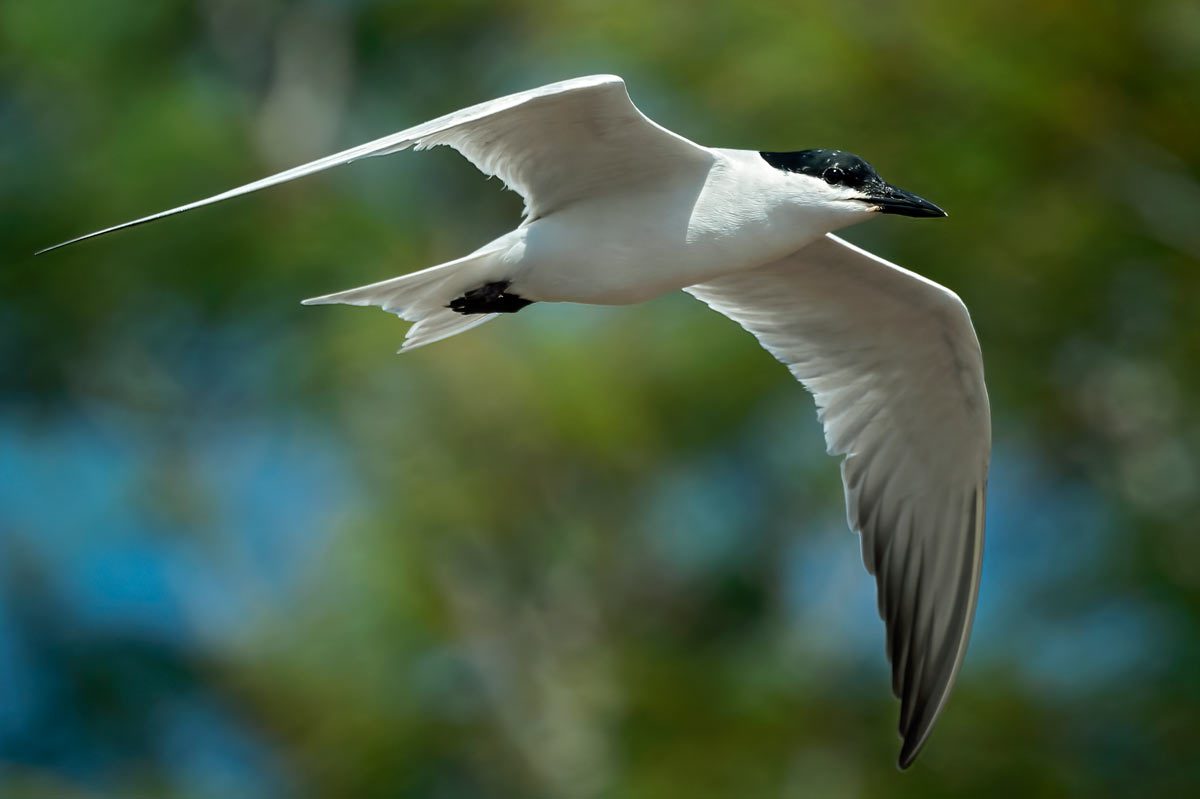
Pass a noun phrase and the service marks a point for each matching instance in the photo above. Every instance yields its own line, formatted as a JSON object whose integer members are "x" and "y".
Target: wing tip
{"x": 917, "y": 727}
{"x": 60, "y": 245}
{"x": 114, "y": 228}
{"x": 913, "y": 743}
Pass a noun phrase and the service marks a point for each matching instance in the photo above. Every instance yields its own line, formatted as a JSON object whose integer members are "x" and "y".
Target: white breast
{"x": 635, "y": 245}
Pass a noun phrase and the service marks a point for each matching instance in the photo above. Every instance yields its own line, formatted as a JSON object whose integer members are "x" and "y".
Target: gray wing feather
{"x": 894, "y": 365}
{"x": 552, "y": 144}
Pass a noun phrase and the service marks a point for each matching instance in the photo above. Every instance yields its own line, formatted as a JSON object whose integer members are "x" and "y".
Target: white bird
{"x": 619, "y": 210}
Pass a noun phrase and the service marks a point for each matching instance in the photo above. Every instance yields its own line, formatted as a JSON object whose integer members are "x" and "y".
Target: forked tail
{"x": 424, "y": 297}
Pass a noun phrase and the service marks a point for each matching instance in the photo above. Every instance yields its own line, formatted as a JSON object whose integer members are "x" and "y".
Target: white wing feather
{"x": 552, "y": 144}
{"x": 894, "y": 365}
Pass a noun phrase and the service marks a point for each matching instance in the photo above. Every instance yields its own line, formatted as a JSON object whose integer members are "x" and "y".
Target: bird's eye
{"x": 833, "y": 175}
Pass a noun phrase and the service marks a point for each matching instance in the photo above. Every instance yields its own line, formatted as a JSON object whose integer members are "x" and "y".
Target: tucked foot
{"x": 490, "y": 298}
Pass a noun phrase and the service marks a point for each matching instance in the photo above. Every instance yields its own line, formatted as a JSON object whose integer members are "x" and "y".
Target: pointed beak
{"x": 891, "y": 200}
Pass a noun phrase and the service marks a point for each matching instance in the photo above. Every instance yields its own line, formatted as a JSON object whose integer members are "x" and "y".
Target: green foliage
{"x": 587, "y": 552}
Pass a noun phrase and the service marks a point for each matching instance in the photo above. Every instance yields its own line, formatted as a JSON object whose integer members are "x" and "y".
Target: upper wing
{"x": 895, "y": 367}
{"x": 553, "y": 145}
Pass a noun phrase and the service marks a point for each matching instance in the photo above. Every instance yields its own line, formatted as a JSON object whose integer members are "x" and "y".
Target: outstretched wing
{"x": 895, "y": 367}
{"x": 553, "y": 145}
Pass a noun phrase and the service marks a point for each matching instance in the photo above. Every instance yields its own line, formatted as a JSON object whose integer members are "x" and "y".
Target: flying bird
{"x": 619, "y": 210}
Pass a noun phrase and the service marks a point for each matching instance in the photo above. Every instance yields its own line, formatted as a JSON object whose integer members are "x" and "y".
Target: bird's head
{"x": 847, "y": 186}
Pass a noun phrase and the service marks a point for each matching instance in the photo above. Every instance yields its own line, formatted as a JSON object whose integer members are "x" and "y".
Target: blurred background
{"x": 247, "y": 551}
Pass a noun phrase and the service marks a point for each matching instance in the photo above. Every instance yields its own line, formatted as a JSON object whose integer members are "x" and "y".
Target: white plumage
{"x": 618, "y": 210}
{"x": 895, "y": 368}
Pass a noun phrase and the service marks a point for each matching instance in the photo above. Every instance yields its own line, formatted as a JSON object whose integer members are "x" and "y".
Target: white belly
{"x": 632, "y": 247}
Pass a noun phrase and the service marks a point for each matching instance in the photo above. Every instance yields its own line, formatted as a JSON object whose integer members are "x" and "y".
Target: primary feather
{"x": 589, "y": 133}
{"x": 895, "y": 368}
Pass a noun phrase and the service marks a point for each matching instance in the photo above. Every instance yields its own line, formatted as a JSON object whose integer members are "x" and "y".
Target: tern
{"x": 619, "y": 210}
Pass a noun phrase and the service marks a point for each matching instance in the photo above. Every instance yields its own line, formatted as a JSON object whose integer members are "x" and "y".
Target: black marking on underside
{"x": 489, "y": 298}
